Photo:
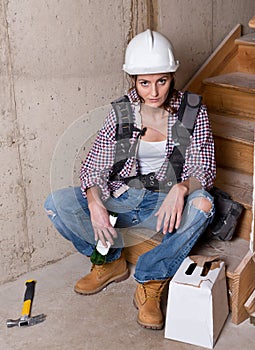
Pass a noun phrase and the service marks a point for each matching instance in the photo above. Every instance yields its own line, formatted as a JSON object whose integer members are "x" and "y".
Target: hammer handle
{"x": 28, "y": 298}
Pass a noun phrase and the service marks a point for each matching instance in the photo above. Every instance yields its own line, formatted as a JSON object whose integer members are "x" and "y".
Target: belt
{"x": 147, "y": 181}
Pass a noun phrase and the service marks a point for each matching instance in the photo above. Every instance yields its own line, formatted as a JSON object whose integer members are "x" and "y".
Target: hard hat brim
{"x": 150, "y": 70}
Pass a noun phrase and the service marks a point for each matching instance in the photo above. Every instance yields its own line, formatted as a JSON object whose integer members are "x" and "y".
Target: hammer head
{"x": 26, "y": 321}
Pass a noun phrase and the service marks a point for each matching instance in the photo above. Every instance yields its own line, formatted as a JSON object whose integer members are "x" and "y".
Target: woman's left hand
{"x": 170, "y": 213}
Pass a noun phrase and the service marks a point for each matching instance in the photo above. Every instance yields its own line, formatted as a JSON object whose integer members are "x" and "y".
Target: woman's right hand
{"x": 99, "y": 216}
{"x": 101, "y": 224}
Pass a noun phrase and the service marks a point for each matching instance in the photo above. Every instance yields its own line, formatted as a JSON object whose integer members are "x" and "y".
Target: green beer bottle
{"x": 98, "y": 256}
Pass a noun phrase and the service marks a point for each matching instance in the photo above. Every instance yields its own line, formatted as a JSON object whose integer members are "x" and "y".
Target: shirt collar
{"x": 133, "y": 96}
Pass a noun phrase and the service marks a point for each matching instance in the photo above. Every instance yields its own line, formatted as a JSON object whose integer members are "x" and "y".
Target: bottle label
{"x": 101, "y": 248}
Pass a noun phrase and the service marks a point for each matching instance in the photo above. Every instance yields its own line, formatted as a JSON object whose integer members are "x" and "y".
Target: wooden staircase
{"x": 230, "y": 97}
{"x": 227, "y": 83}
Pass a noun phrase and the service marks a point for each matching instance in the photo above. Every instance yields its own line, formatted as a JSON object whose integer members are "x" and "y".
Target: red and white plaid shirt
{"x": 199, "y": 158}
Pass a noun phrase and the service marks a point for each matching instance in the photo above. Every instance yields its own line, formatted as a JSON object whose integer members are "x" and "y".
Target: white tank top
{"x": 151, "y": 155}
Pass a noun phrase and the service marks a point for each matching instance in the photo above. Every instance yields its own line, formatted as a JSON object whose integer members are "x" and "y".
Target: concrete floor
{"x": 103, "y": 321}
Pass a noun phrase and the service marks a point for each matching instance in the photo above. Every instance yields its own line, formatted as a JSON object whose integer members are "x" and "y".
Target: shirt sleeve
{"x": 96, "y": 167}
{"x": 200, "y": 159}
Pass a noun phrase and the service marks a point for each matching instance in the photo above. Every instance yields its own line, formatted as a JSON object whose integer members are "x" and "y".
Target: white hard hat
{"x": 149, "y": 53}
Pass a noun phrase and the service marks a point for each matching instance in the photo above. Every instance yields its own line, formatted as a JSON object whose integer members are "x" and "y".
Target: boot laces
{"x": 152, "y": 293}
{"x": 100, "y": 269}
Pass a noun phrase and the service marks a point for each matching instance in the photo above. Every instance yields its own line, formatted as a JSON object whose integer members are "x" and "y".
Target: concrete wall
{"x": 59, "y": 61}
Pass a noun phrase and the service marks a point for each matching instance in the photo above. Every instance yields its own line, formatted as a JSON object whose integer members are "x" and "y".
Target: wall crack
{"x": 16, "y": 133}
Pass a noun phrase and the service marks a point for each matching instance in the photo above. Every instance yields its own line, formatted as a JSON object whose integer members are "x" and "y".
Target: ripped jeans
{"x": 68, "y": 211}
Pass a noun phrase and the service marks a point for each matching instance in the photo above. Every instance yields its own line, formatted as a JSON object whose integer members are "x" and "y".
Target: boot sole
{"x": 147, "y": 325}
{"x": 115, "y": 279}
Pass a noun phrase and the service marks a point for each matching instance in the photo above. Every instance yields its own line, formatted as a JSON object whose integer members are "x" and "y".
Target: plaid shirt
{"x": 199, "y": 157}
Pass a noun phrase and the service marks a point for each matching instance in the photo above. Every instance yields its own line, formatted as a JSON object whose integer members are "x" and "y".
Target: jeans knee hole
{"x": 203, "y": 204}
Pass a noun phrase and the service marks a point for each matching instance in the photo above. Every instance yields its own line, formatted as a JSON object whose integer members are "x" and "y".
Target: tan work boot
{"x": 147, "y": 300}
{"x": 102, "y": 275}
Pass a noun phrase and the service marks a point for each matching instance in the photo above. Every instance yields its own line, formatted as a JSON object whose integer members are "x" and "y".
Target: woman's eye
{"x": 162, "y": 81}
{"x": 144, "y": 83}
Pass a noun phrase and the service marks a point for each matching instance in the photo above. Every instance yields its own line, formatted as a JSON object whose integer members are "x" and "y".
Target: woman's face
{"x": 153, "y": 88}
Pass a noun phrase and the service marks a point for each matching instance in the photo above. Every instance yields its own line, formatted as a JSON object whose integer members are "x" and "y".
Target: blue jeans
{"x": 68, "y": 211}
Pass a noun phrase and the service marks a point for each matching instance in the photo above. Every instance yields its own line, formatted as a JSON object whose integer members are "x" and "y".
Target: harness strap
{"x": 181, "y": 132}
{"x": 124, "y": 115}
{"x": 188, "y": 109}
{"x": 124, "y": 131}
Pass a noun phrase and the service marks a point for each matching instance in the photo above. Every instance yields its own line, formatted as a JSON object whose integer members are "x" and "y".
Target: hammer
{"x": 26, "y": 319}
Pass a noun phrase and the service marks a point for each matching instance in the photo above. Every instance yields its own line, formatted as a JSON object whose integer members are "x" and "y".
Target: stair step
{"x": 234, "y": 81}
{"x": 248, "y": 40}
{"x": 239, "y": 185}
{"x": 233, "y": 128}
{"x": 231, "y": 93}
{"x": 246, "y": 53}
{"x": 235, "y": 155}
{"x": 233, "y": 142}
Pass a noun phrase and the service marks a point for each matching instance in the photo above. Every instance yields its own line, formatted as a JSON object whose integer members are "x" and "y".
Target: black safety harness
{"x": 181, "y": 133}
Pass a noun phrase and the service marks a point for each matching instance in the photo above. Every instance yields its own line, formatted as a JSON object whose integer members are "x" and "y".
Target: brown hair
{"x": 172, "y": 93}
